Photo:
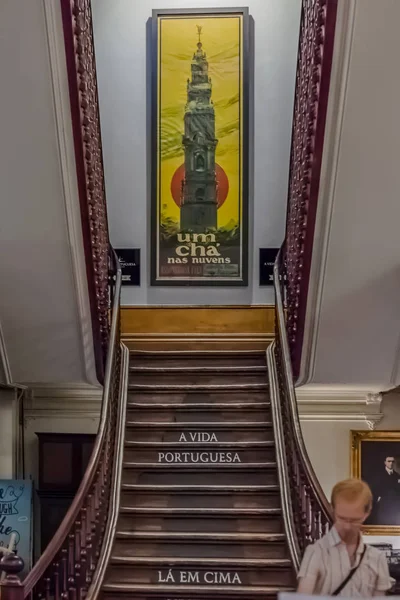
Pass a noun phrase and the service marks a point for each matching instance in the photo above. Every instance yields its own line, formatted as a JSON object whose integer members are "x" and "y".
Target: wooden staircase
{"x": 200, "y": 510}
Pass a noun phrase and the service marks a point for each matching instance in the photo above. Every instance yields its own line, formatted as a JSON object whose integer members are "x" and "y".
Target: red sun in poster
{"x": 222, "y": 183}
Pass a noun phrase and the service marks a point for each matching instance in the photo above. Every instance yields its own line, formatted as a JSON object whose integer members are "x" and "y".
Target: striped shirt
{"x": 326, "y": 565}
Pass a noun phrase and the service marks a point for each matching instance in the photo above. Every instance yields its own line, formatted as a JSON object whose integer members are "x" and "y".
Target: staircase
{"x": 200, "y": 514}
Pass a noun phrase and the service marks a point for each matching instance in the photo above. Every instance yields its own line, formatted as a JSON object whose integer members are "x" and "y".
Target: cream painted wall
{"x": 328, "y": 445}
{"x": 353, "y": 321}
{"x": 327, "y": 439}
{"x": 123, "y": 74}
{"x": 44, "y": 306}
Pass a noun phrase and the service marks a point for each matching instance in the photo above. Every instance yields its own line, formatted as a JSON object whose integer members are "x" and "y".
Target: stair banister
{"x": 307, "y": 513}
{"x": 67, "y": 565}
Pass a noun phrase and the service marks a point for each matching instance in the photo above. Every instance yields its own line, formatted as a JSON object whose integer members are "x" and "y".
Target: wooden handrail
{"x": 281, "y": 460}
{"x": 115, "y": 492}
{"x": 314, "y": 64}
{"x": 308, "y": 512}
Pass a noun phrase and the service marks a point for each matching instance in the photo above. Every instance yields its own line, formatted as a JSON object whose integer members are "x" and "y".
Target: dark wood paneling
{"x": 63, "y": 458}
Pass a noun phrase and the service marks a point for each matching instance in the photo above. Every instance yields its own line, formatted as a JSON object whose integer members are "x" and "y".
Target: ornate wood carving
{"x": 67, "y": 566}
{"x": 310, "y": 510}
{"x": 81, "y": 65}
{"x": 317, "y": 30}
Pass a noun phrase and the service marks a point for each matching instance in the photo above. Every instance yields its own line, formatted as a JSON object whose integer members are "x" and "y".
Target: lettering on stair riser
{"x": 199, "y": 577}
{"x": 198, "y": 457}
{"x": 197, "y": 436}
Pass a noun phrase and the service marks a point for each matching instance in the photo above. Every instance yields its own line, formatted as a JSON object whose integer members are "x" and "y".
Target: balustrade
{"x": 309, "y": 511}
{"x": 66, "y": 568}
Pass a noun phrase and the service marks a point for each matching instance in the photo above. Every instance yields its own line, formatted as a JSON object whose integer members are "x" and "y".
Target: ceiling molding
{"x": 63, "y": 402}
{"x": 339, "y": 403}
{"x": 59, "y": 81}
{"x": 67, "y": 390}
{"x": 330, "y": 160}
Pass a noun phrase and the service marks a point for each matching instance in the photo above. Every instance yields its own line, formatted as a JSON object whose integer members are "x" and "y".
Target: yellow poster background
{"x": 221, "y": 38}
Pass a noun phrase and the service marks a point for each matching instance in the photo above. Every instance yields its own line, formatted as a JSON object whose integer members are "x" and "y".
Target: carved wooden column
{"x": 82, "y": 79}
{"x": 317, "y": 31}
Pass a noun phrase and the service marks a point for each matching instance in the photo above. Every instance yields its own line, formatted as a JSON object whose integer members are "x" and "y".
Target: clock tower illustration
{"x": 199, "y": 191}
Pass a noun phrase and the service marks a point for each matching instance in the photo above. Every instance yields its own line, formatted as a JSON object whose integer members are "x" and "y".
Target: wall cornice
{"x": 63, "y": 402}
{"x": 339, "y": 403}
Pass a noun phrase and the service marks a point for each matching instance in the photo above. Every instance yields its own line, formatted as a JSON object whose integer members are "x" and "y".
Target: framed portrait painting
{"x": 375, "y": 458}
{"x": 200, "y": 151}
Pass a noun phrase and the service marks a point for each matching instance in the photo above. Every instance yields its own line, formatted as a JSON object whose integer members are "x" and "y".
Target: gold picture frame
{"x": 368, "y": 462}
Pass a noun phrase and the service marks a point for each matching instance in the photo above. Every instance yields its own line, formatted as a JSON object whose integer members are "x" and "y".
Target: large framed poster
{"x": 200, "y": 146}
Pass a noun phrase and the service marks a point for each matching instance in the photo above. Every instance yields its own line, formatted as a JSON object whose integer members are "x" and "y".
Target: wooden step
{"x": 228, "y": 571}
{"x": 200, "y": 474}
{"x": 114, "y": 591}
{"x": 193, "y": 413}
{"x": 207, "y": 431}
{"x": 213, "y": 369}
{"x": 247, "y": 520}
{"x": 220, "y": 396}
{"x": 199, "y": 545}
{"x": 201, "y": 358}
{"x": 201, "y": 496}
{"x": 197, "y": 383}
{"x": 167, "y": 452}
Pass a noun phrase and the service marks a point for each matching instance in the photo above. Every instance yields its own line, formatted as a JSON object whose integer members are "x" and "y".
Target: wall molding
{"x": 74, "y": 401}
{"x": 339, "y": 403}
{"x": 330, "y": 161}
{"x": 191, "y": 327}
{"x": 315, "y": 403}
{"x": 62, "y": 116}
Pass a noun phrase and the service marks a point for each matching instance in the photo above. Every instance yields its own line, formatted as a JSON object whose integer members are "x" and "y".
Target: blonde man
{"x": 340, "y": 564}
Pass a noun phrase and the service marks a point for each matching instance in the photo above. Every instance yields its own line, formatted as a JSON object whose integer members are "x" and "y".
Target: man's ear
{"x": 367, "y": 514}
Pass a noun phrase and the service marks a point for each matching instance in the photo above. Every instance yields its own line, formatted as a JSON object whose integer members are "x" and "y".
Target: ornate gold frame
{"x": 371, "y": 436}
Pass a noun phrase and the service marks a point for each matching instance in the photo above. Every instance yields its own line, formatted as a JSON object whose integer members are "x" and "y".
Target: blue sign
{"x": 16, "y": 518}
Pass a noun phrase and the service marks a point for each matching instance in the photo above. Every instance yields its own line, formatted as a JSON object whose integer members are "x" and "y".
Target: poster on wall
{"x": 16, "y": 519}
{"x": 200, "y": 147}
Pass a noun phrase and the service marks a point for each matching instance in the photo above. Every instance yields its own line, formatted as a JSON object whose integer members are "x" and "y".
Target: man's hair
{"x": 352, "y": 490}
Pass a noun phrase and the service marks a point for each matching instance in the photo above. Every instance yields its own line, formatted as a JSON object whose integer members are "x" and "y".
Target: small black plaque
{"x": 129, "y": 259}
{"x": 267, "y": 261}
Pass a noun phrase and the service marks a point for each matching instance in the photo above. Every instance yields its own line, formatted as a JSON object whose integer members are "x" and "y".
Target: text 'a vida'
{"x": 197, "y": 436}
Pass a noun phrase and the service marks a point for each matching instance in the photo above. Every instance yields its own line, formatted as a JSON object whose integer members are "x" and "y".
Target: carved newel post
{"x": 11, "y": 587}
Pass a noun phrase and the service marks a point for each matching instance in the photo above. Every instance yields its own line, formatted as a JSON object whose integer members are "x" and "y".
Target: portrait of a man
{"x": 376, "y": 460}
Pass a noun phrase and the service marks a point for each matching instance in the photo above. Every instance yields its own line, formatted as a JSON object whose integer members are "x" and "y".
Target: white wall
{"x": 354, "y": 317}
{"x": 122, "y": 67}
{"x": 328, "y": 444}
{"x": 45, "y": 318}
{"x": 327, "y": 436}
